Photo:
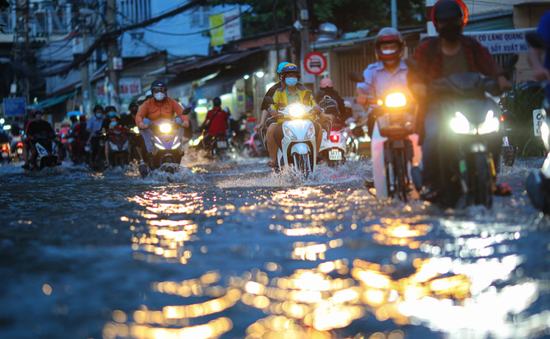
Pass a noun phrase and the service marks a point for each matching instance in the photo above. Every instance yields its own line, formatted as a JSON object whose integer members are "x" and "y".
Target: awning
{"x": 219, "y": 60}
{"x": 52, "y": 101}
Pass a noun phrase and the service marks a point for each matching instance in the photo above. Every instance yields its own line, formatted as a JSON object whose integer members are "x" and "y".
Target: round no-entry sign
{"x": 315, "y": 63}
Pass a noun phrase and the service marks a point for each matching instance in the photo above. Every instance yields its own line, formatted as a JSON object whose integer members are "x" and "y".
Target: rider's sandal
{"x": 273, "y": 165}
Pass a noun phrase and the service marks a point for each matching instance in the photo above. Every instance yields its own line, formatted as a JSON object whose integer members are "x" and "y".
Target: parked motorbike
{"x": 467, "y": 174}
{"x": 46, "y": 149}
{"x": 119, "y": 147}
{"x": 298, "y": 147}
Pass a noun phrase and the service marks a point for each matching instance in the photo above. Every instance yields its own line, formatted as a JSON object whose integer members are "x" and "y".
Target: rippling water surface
{"x": 232, "y": 250}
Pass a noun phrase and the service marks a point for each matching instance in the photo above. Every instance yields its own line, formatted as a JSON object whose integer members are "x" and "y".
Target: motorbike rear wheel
{"x": 401, "y": 181}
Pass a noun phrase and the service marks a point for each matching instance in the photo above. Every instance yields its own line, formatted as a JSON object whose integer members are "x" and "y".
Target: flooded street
{"x": 233, "y": 250}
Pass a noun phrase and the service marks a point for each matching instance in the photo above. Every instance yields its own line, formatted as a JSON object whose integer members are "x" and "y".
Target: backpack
{"x": 329, "y": 105}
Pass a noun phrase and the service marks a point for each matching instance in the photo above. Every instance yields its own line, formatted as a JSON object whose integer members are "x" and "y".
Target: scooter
{"x": 333, "y": 149}
{"x": 47, "y": 150}
{"x": 467, "y": 174}
{"x": 99, "y": 163}
{"x": 168, "y": 147}
{"x": 218, "y": 147}
{"x": 119, "y": 147}
{"x": 298, "y": 146}
{"x": 133, "y": 134}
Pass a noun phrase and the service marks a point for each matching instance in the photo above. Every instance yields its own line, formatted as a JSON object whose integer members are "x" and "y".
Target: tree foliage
{"x": 347, "y": 15}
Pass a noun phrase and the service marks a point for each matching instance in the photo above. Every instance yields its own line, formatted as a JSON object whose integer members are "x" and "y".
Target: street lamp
{"x": 260, "y": 74}
{"x": 246, "y": 77}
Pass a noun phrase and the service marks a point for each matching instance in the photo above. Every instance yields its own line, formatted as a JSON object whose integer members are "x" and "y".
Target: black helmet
{"x": 447, "y": 9}
{"x": 159, "y": 84}
{"x": 217, "y": 102}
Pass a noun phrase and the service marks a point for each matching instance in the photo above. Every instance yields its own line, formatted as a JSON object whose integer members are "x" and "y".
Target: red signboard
{"x": 315, "y": 63}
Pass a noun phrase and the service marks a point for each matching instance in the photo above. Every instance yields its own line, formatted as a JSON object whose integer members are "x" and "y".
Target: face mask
{"x": 451, "y": 32}
{"x": 390, "y": 51}
{"x": 112, "y": 115}
{"x": 291, "y": 81}
{"x": 113, "y": 124}
{"x": 99, "y": 115}
{"x": 38, "y": 117}
{"x": 159, "y": 96}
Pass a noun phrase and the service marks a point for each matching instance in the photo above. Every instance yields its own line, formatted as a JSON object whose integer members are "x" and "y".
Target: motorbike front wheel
{"x": 483, "y": 180}
{"x": 302, "y": 164}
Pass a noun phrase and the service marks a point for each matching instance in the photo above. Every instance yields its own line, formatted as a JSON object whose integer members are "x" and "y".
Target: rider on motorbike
{"x": 449, "y": 53}
{"x": 289, "y": 93}
{"x": 38, "y": 126}
{"x": 339, "y": 112}
{"x": 270, "y": 93}
{"x": 215, "y": 122}
{"x": 114, "y": 127}
{"x": 110, "y": 112}
{"x": 94, "y": 126}
{"x": 159, "y": 107}
{"x": 129, "y": 121}
{"x": 538, "y": 184}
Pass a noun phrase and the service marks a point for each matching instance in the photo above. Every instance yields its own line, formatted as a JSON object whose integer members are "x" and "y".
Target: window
{"x": 134, "y": 11}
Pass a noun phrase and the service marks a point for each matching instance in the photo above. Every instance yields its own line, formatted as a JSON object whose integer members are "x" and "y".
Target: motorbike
{"x": 218, "y": 146}
{"x": 99, "y": 163}
{"x": 298, "y": 146}
{"x": 467, "y": 173}
{"x": 5, "y": 144}
{"x": 119, "y": 147}
{"x": 333, "y": 149}
{"x": 168, "y": 146}
{"x": 133, "y": 133}
{"x": 46, "y": 149}
{"x": 254, "y": 146}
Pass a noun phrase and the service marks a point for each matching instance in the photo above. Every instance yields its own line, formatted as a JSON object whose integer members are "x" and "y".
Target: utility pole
{"x": 394, "y": 13}
{"x": 303, "y": 14}
{"x": 84, "y": 70}
{"x": 113, "y": 52}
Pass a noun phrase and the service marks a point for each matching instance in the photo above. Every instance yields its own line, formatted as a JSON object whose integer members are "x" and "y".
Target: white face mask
{"x": 159, "y": 96}
{"x": 389, "y": 51}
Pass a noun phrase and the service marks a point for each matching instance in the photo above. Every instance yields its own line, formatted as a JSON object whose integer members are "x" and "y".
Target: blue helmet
{"x": 280, "y": 67}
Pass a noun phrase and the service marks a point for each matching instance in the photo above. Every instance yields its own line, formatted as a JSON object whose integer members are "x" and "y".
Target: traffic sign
{"x": 315, "y": 63}
{"x": 14, "y": 107}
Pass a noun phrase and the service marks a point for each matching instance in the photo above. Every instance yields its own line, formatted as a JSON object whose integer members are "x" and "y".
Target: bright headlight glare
{"x": 165, "y": 128}
{"x": 460, "y": 124}
{"x": 176, "y": 145}
{"x": 310, "y": 132}
{"x": 7, "y": 127}
{"x": 296, "y": 111}
{"x": 490, "y": 125}
{"x": 159, "y": 146}
{"x": 396, "y": 100}
{"x": 136, "y": 129}
{"x": 290, "y": 134}
{"x": 544, "y": 133}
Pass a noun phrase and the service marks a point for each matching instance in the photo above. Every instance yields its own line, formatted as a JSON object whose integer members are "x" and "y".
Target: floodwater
{"x": 233, "y": 250}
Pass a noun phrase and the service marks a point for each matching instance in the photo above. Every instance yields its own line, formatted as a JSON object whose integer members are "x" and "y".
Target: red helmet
{"x": 326, "y": 82}
{"x": 389, "y": 35}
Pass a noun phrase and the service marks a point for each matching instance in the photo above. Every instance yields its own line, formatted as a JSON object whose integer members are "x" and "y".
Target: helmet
{"x": 280, "y": 67}
{"x": 389, "y": 35}
{"x": 326, "y": 82}
{"x": 159, "y": 84}
{"x": 217, "y": 102}
{"x": 447, "y": 9}
{"x": 290, "y": 68}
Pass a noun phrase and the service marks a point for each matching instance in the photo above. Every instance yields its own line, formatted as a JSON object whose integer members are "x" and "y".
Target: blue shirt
{"x": 95, "y": 124}
{"x": 379, "y": 81}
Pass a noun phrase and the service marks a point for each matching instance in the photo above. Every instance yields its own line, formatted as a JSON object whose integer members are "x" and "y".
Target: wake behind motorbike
{"x": 298, "y": 146}
{"x": 470, "y": 131}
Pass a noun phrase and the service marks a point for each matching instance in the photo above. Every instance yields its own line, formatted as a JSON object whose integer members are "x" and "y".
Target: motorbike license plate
{"x": 222, "y": 144}
{"x": 335, "y": 155}
{"x": 19, "y": 151}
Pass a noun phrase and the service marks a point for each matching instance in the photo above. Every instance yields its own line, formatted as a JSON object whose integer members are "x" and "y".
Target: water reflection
{"x": 448, "y": 284}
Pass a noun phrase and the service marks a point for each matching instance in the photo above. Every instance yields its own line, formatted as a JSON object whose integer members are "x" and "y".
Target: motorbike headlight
{"x": 490, "y": 125}
{"x": 176, "y": 145}
{"x": 396, "y": 100}
{"x": 290, "y": 134}
{"x": 135, "y": 129}
{"x": 159, "y": 146}
{"x": 460, "y": 124}
{"x": 165, "y": 128}
{"x": 310, "y": 132}
{"x": 296, "y": 111}
{"x": 7, "y": 127}
{"x": 544, "y": 133}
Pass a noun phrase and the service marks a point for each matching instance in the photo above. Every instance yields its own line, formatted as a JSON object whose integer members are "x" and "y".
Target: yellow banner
{"x": 216, "y": 35}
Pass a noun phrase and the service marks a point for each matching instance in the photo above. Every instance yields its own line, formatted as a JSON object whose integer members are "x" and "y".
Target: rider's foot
{"x": 503, "y": 191}
{"x": 428, "y": 194}
{"x": 369, "y": 184}
{"x": 272, "y": 164}
{"x": 26, "y": 166}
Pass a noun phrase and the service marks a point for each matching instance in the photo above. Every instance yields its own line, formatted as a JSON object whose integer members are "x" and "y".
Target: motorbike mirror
{"x": 535, "y": 40}
{"x": 186, "y": 111}
{"x": 269, "y": 100}
{"x": 412, "y": 64}
{"x": 511, "y": 61}
{"x": 356, "y": 77}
